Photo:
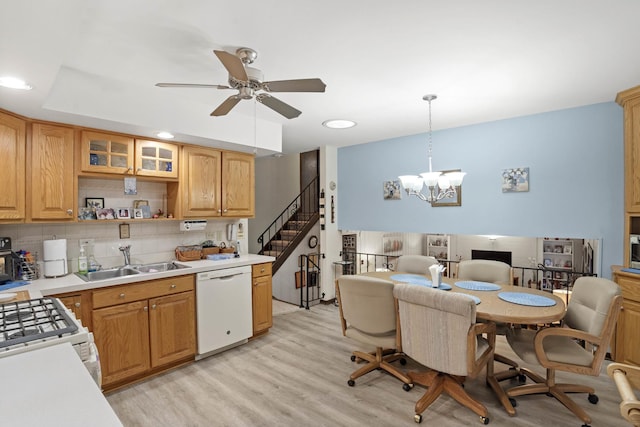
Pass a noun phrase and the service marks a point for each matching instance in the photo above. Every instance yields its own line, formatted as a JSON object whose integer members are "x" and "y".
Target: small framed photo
{"x": 140, "y": 203}
{"x": 105, "y": 213}
{"x": 567, "y": 249}
{"x": 86, "y": 214}
{"x": 146, "y": 211}
{"x": 137, "y": 213}
{"x": 94, "y": 202}
{"x": 124, "y": 213}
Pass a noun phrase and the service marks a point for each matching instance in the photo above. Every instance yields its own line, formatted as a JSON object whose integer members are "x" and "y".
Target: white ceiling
{"x": 95, "y": 63}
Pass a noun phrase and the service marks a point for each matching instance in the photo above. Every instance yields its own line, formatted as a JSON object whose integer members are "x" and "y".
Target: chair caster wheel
{"x": 353, "y": 358}
{"x": 407, "y": 387}
{"x": 484, "y": 420}
{"x": 351, "y": 383}
{"x": 513, "y": 402}
{"x": 522, "y": 378}
{"x": 593, "y": 399}
{"x": 403, "y": 361}
{"x": 417, "y": 418}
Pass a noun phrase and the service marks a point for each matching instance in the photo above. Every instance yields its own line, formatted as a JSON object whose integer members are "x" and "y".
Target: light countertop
{"x": 73, "y": 283}
{"x": 36, "y": 392}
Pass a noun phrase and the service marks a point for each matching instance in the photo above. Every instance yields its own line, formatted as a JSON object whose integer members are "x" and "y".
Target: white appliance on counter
{"x": 42, "y": 322}
{"x": 224, "y": 309}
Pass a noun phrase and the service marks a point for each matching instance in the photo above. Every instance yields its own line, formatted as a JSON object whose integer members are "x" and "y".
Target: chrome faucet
{"x": 126, "y": 253}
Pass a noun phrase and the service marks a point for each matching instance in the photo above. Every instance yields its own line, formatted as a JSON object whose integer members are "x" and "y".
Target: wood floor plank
{"x": 296, "y": 375}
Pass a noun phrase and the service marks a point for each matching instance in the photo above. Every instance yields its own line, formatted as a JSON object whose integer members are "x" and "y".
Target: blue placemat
{"x": 472, "y": 285}
{"x": 526, "y": 299}
{"x": 14, "y": 284}
{"x": 414, "y": 279}
{"x": 631, "y": 270}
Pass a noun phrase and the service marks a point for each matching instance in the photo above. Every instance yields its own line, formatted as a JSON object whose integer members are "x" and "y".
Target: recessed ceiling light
{"x": 339, "y": 124}
{"x": 14, "y": 83}
{"x": 165, "y": 135}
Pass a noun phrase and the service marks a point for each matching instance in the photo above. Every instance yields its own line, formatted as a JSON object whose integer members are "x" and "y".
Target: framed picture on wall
{"x": 455, "y": 200}
{"x": 391, "y": 190}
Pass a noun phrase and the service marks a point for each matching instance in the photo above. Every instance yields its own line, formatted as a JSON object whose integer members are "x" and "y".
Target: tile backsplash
{"x": 151, "y": 240}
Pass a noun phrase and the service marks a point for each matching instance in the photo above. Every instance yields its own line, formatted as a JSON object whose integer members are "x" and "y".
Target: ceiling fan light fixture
{"x": 14, "y": 83}
{"x": 338, "y": 124}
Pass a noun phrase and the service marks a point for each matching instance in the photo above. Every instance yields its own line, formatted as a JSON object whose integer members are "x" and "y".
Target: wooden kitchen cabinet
{"x": 12, "y": 173}
{"x": 51, "y": 183}
{"x": 262, "y": 298}
{"x": 214, "y": 183}
{"x": 122, "y": 338}
{"x": 143, "y": 328}
{"x": 108, "y": 153}
{"x": 627, "y": 348}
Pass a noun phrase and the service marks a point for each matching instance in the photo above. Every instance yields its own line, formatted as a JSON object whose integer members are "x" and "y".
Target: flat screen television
{"x": 491, "y": 255}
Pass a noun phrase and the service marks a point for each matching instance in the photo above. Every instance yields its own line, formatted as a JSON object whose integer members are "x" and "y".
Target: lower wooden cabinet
{"x": 262, "y": 298}
{"x": 627, "y": 348}
{"x": 139, "y": 337}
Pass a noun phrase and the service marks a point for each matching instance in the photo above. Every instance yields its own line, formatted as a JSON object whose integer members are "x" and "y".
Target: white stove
{"x": 42, "y": 322}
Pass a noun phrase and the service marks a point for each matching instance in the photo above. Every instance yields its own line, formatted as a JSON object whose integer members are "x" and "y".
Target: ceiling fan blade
{"x": 300, "y": 85}
{"x": 278, "y": 106}
{"x": 233, "y": 64}
{"x": 192, "y": 85}
{"x": 226, "y": 106}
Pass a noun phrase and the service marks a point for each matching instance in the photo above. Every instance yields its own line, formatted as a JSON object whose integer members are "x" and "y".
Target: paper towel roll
{"x": 55, "y": 257}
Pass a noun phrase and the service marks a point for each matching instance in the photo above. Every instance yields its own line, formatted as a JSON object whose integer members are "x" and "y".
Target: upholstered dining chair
{"x": 502, "y": 274}
{"x": 439, "y": 331}
{"x": 368, "y": 314}
{"x": 591, "y": 317}
{"x": 415, "y": 264}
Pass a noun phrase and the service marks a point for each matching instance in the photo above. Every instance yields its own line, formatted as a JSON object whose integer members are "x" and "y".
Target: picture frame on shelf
{"x": 137, "y": 213}
{"x": 567, "y": 250}
{"x": 146, "y": 211}
{"x": 94, "y": 202}
{"x": 85, "y": 214}
{"x": 140, "y": 203}
{"x": 105, "y": 213}
{"x": 124, "y": 213}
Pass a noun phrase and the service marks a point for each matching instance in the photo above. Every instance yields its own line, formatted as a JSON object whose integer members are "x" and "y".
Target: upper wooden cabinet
{"x": 12, "y": 172}
{"x": 158, "y": 159}
{"x": 216, "y": 183}
{"x": 630, "y": 101}
{"x": 117, "y": 154}
{"x": 52, "y": 177}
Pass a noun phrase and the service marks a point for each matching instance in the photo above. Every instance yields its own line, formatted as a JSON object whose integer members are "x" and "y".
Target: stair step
{"x": 280, "y": 243}
{"x": 288, "y": 234}
{"x": 271, "y": 253}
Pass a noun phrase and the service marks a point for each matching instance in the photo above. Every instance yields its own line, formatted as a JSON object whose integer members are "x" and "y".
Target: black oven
{"x": 9, "y": 261}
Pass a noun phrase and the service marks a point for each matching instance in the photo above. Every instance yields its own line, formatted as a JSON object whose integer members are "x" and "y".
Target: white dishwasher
{"x": 224, "y": 309}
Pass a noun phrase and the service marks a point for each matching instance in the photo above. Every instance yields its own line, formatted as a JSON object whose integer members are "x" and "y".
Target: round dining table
{"x": 494, "y": 308}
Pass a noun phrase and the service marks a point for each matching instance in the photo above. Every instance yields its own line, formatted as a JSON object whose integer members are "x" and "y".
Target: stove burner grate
{"x": 36, "y": 319}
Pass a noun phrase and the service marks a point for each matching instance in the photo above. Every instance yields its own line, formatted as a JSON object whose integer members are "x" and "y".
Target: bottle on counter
{"x": 82, "y": 261}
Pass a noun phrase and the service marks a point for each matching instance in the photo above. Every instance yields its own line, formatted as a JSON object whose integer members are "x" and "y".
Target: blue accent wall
{"x": 575, "y": 158}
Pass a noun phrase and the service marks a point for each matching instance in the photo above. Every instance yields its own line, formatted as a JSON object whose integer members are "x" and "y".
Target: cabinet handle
{"x": 77, "y": 304}
{"x": 146, "y": 308}
{"x": 129, "y": 169}
{"x": 121, "y": 295}
{"x": 262, "y": 270}
{"x": 255, "y": 283}
{"x": 219, "y": 210}
{"x": 172, "y": 286}
{"x": 139, "y": 170}
{"x": 69, "y": 212}
{"x": 153, "y": 306}
{"x": 225, "y": 210}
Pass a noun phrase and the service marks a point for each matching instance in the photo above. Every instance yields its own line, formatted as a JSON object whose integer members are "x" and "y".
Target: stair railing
{"x": 309, "y": 279}
{"x": 304, "y": 203}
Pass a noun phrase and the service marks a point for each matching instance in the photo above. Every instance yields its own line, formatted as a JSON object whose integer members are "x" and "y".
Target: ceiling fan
{"x": 248, "y": 81}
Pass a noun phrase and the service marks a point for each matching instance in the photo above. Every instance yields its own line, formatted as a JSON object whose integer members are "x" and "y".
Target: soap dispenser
{"x": 82, "y": 261}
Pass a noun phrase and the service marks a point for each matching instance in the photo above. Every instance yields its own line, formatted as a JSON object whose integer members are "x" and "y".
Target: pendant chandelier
{"x": 440, "y": 185}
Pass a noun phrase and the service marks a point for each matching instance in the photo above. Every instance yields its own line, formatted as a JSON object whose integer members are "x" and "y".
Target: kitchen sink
{"x": 92, "y": 276}
{"x": 155, "y": 267}
{"x": 159, "y": 267}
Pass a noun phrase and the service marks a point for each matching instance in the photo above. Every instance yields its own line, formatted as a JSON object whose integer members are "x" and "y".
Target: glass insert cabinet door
{"x": 155, "y": 158}
{"x": 106, "y": 153}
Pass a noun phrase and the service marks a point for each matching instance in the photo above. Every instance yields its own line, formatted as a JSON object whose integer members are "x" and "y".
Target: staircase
{"x": 287, "y": 231}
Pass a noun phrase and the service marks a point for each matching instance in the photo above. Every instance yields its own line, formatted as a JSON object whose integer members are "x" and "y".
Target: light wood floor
{"x": 297, "y": 375}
